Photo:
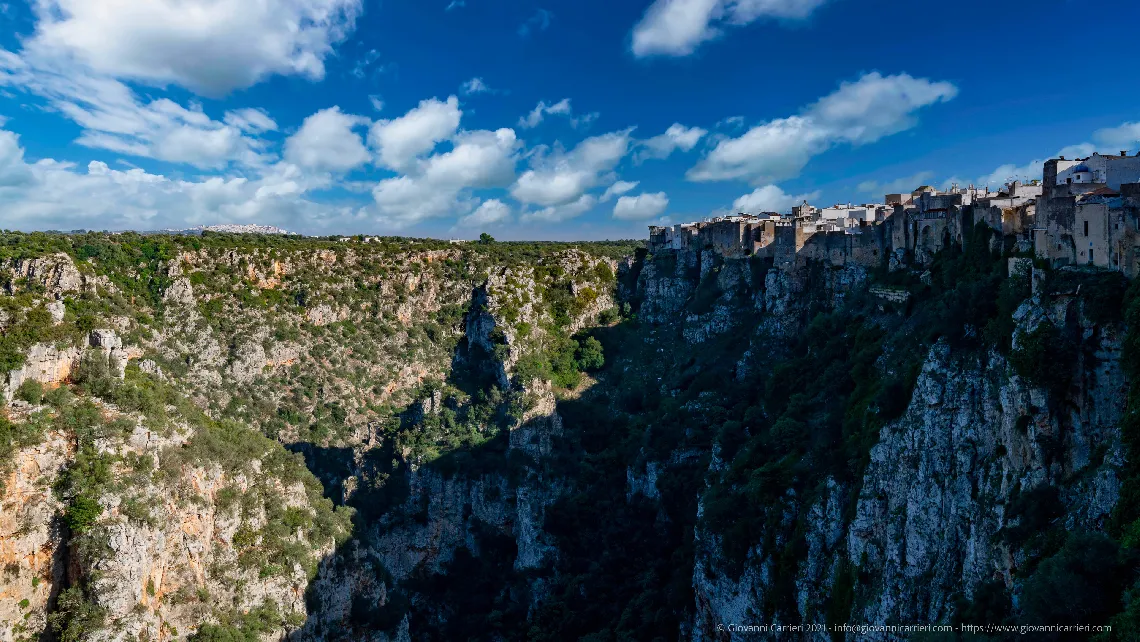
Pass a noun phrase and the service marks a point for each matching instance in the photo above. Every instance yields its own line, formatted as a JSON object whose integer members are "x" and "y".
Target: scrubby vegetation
{"x": 325, "y": 361}
{"x": 244, "y": 627}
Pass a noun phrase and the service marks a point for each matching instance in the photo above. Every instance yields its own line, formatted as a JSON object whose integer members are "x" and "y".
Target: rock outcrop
{"x": 32, "y": 542}
{"x": 56, "y": 273}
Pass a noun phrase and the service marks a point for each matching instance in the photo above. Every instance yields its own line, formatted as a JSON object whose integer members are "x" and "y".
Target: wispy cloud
{"x": 732, "y": 122}
{"x": 455, "y": 4}
{"x": 540, "y": 21}
{"x": 367, "y": 66}
{"x": 679, "y": 27}
{"x": 475, "y": 86}
{"x": 677, "y": 137}
{"x": 904, "y": 185}
{"x": 560, "y": 108}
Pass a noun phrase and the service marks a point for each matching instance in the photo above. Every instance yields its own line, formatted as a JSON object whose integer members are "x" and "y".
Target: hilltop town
{"x": 1082, "y": 212}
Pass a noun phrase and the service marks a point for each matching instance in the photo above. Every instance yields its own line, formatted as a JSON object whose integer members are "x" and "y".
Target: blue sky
{"x": 536, "y": 119}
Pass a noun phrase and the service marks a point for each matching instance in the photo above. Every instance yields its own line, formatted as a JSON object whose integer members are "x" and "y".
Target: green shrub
{"x": 1080, "y": 584}
{"x": 590, "y": 355}
{"x": 1033, "y": 511}
{"x": 563, "y": 366}
{"x": 31, "y": 391}
{"x": 82, "y": 513}
{"x": 248, "y": 627}
{"x": 95, "y": 374}
{"x": 76, "y": 617}
{"x": 138, "y": 510}
{"x": 1045, "y": 358}
{"x": 58, "y": 397}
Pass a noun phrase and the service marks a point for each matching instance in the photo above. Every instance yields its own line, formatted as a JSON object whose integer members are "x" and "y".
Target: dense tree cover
{"x": 1125, "y": 523}
{"x": 123, "y": 250}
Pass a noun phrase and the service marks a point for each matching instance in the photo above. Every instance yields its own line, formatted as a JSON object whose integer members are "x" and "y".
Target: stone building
{"x": 1087, "y": 214}
{"x": 1082, "y": 212}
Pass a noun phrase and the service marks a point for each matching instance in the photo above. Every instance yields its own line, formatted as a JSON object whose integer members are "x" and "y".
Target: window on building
{"x": 1090, "y": 255}
{"x": 1086, "y": 228}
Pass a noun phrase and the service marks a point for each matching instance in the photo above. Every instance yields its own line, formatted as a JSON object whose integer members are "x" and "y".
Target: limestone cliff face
{"x": 216, "y": 342}
{"x": 445, "y": 512}
{"x": 165, "y": 551}
{"x": 712, "y": 295}
{"x": 421, "y": 536}
{"x": 934, "y": 503}
{"x": 170, "y": 568}
{"x": 31, "y": 538}
{"x": 56, "y": 273}
{"x": 43, "y": 363}
{"x": 942, "y": 479}
{"x": 666, "y": 285}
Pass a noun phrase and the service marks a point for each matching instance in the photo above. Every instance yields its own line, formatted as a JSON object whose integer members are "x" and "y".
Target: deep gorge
{"x": 236, "y": 437}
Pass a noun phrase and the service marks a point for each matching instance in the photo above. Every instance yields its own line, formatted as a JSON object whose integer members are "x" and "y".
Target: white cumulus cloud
{"x": 560, "y": 108}
{"x": 49, "y": 194}
{"x": 207, "y": 46}
{"x": 770, "y": 198}
{"x": 678, "y": 27}
{"x": 475, "y": 86}
{"x": 1122, "y": 137}
{"x": 677, "y": 137}
{"x": 327, "y": 142}
{"x": 401, "y": 140}
{"x": 14, "y": 171}
{"x": 441, "y": 185}
{"x": 489, "y": 212}
{"x": 857, "y": 113}
{"x": 111, "y": 116}
{"x": 563, "y": 212}
{"x": 253, "y": 121}
{"x": 642, "y": 206}
{"x": 565, "y": 177}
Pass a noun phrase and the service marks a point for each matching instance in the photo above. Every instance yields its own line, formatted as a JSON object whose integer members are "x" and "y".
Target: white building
{"x": 1098, "y": 169}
